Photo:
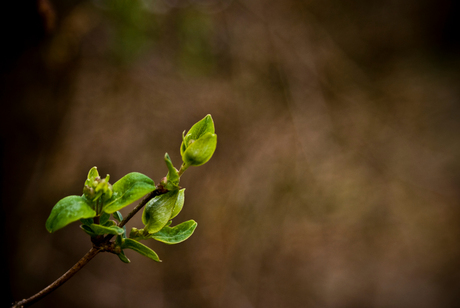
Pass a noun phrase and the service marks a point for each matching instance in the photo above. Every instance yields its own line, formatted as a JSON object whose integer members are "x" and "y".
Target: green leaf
{"x": 117, "y": 215}
{"x": 68, "y": 210}
{"x": 176, "y": 234}
{"x": 140, "y": 248}
{"x": 92, "y": 175}
{"x": 119, "y": 240}
{"x": 109, "y": 223}
{"x": 87, "y": 221}
{"x": 88, "y": 230}
{"x": 200, "y": 151}
{"x": 199, "y": 129}
{"x": 172, "y": 176}
{"x": 179, "y": 203}
{"x": 104, "y": 218}
{"x": 136, "y": 234}
{"x": 128, "y": 189}
{"x": 123, "y": 257}
{"x": 101, "y": 230}
{"x": 158, "y": 211}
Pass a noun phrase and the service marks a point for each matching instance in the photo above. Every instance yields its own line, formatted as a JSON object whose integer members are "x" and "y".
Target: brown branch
{"x": 60, "y": 281}
{"x": 97, "y": 247}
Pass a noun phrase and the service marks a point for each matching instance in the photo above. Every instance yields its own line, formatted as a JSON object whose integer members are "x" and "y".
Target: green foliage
{"x": 176, "y": 234}
{"x": 101, "y": 201}
{"x": 123, "y": 257}
{"x": 128, "y": 189}
{"x": 96, "y": 188}
{"x": 101, "y": 230}
{"x": 199, "y": 144}
{"x": 67, "y": 210}
{"x": 117, "y": 216}
{"x": 200, "y": 151}
{"x": 179, "y": 203}
{"x": 159, "y": 210}
{"x": 172, "y": 178}
{"x": 140, "y": 248}
{"x": 104, "y": 218}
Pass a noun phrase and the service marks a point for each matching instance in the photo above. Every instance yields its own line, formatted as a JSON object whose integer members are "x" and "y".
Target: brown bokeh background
{"x": 336, "y": 178}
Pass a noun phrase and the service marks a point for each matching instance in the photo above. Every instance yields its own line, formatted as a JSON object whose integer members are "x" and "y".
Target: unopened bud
{"x": 199, "y": 144}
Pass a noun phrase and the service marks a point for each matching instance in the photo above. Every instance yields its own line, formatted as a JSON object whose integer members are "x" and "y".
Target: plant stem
{"x": 89, "y": 255}
{"x": 181, "y": 170}
{"x": 60, "y": 281}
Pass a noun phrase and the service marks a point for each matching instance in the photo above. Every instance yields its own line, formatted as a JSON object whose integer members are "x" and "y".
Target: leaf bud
{"x": 95, "y": 187}
{"x": 199, "y": 144}
{"x": 89, "y": 192}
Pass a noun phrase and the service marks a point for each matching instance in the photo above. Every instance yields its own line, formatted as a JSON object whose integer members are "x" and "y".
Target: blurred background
{"x": 336, "y": 178}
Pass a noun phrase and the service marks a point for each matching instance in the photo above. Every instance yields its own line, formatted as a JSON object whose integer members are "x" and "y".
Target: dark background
{"x": 336, "y": 178}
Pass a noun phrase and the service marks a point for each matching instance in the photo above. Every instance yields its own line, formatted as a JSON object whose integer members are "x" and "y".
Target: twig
{"x": 60, "y": 281}
{"x": 97, "y": 247}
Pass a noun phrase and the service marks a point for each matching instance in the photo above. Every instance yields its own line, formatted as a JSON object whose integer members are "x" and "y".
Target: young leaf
{"x": 128, "y": 189}
{"x": 200, "y": 151}
{"x": 88, "y": 230}
{"x": 172, "y": 176}
{"x": 117, "y": 215}
{"x": 123, "y": 257}
{"x": 119, "y": 240}
{"x": 104, "y": 218}
{"x": 176, "y": 234}
{"x": 136, "y": 234}
{"x": 140, "y": 248}
{"x": 92, "y": 175}
{"x": 179, "y": 203}
{"x": 199, "y": 129}
{"x": 109, "y": 223}
{"x": 158, "y": 211}
{"x": 87, "y": 221}
{"x": 101, "y": 230}
{"x": 68, "y": 210}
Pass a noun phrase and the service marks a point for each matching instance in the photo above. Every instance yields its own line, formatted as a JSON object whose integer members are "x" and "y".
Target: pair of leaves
{"x": 162, "y": 209}
{"x": 127, "y": 190}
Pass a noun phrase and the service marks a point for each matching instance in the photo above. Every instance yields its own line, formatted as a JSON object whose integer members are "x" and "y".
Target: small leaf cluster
{"x": 98, "y": 208}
